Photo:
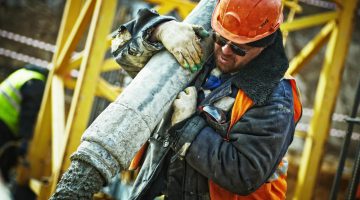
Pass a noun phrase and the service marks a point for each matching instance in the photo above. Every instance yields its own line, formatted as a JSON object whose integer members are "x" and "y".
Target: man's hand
{"x": 185, "y": 105}
{"x": 182, "y": 40}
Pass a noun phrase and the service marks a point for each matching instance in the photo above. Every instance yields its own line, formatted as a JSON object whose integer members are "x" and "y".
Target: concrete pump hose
{"x": 125, "y": 125}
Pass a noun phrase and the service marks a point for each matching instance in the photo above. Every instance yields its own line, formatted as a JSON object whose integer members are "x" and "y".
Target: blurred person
{"x": 20, "y": 99}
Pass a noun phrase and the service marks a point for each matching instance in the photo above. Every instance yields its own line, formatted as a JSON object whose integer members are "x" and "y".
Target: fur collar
{"x": 260, "y": 77}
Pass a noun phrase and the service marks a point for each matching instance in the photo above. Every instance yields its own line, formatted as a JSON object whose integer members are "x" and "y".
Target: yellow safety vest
{"x": 10, "y": 96}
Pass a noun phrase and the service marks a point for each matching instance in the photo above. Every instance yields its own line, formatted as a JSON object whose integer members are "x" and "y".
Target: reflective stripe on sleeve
{"x": 11, "y": 100}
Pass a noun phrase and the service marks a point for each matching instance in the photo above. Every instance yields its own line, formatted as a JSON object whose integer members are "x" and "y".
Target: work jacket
{"x": 240, "y": 159}
{"x": 11, "y": 96}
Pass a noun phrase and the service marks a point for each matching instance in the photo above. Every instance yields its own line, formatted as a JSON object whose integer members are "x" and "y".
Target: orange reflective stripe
{"x": 277, "y": 189}
{"x": 219, "y": 193}
{"x": 274, "y": 190}
{"x": 296, "y": 98}
{"x": 135, "y": 163}
{"x": 297, "y": 102}
{"x": 241, "y": 105}
{"x": 280, "y": 170}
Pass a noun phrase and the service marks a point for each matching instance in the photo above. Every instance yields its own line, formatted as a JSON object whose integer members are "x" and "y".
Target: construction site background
{"x": 40, "y": 20}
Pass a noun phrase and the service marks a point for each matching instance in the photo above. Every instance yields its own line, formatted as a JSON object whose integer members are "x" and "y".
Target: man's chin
{"x": 224, "y": 69}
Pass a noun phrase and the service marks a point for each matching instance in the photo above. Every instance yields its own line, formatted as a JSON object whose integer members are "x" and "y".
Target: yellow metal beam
{"x": 290, "y": 18}
{"x": 76, "y": 60}
{"x": 75, "y": 35}
{"x": 82, "y": 100}
{"x": 51, "y": 120}
{"x": 164, "y": 9}
{"x": 74, "y": 63}
{"x": 103, "y": 89}
{"x": 71, "y": 12}
{"x": 89, "y": 74}
{"x": 109, "y": 65}
{"x": 108, "y": 40}
{"x": 107, "y": 91}
{"x": 312, "y": 48}
{"x": 40, "y": 188}
{"x": 183, "y": 7}
{"x": 58, "y": 120}
{"x": 36, "y": 186}
{"x": 184, "y": 3}
{"x": 293, "y": 5}
{"x": 326, "y": 94}
{"x": 186, "y": 8}
{"x": 38, "y": 152}
{"x": 309, "y": 21}
{"x": 69, "y": 82}
{"x": 41, "y": 141}
{"x": 301, "y": 134}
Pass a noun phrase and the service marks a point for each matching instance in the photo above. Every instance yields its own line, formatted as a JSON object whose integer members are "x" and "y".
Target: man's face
{"x": 228, "y": 61}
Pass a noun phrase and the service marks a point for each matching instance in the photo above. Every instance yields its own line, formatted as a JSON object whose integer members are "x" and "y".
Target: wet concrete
{"x": 81, "y": 181}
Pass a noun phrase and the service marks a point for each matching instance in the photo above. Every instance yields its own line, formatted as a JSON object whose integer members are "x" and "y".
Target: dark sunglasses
{"x": 220, "y": 40}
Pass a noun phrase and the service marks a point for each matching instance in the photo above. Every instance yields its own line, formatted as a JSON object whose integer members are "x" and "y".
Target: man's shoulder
{"x": 33, "y": 87}
{"x": 282, "y": 90}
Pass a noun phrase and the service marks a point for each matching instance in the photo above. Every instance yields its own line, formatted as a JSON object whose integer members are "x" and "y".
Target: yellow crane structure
{"x": 60, "y": 126}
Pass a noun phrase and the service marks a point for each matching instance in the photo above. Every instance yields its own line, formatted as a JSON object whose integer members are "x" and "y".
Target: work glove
{"x": 184, "y": 105}
{"x": 182, "y": 40}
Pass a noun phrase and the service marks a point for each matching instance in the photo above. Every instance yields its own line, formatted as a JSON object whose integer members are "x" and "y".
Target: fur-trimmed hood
{"x": 259, "y": 78}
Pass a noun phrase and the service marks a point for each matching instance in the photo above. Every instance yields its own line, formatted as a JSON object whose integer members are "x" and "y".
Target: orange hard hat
{"x": 245, "y": 21}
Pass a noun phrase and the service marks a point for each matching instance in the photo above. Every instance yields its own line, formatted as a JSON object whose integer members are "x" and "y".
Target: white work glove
{"x": 182, "y": 40}
{"x": 184, "y": 105}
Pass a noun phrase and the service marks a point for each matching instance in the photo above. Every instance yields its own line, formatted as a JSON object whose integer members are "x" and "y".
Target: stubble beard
{"x": 230, "y": 68}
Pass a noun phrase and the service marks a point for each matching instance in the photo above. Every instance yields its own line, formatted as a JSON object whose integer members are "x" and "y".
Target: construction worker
{"x": 20, "y": 99}
{"x": 230, "y": 129}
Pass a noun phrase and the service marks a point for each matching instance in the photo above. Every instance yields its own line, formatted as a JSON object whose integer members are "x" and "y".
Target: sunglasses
{"x": 220, "y": 40}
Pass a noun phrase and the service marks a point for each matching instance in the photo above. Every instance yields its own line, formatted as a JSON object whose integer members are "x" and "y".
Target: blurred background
{"x": 36, "y": 32}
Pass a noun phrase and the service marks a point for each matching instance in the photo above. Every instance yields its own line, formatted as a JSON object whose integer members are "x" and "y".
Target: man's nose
{"x": 226, "y": 49}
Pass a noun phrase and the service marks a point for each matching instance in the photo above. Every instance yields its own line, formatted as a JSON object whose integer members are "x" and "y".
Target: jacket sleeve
{"x": 257, "y": 143}
{"x": 32, "y": 92}
{"x": 131, "y": 46}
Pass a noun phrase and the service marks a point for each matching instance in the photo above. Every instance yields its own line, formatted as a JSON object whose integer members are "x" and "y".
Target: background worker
{"x": 20, "y": 100}
{"x": 229, "y": 130}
